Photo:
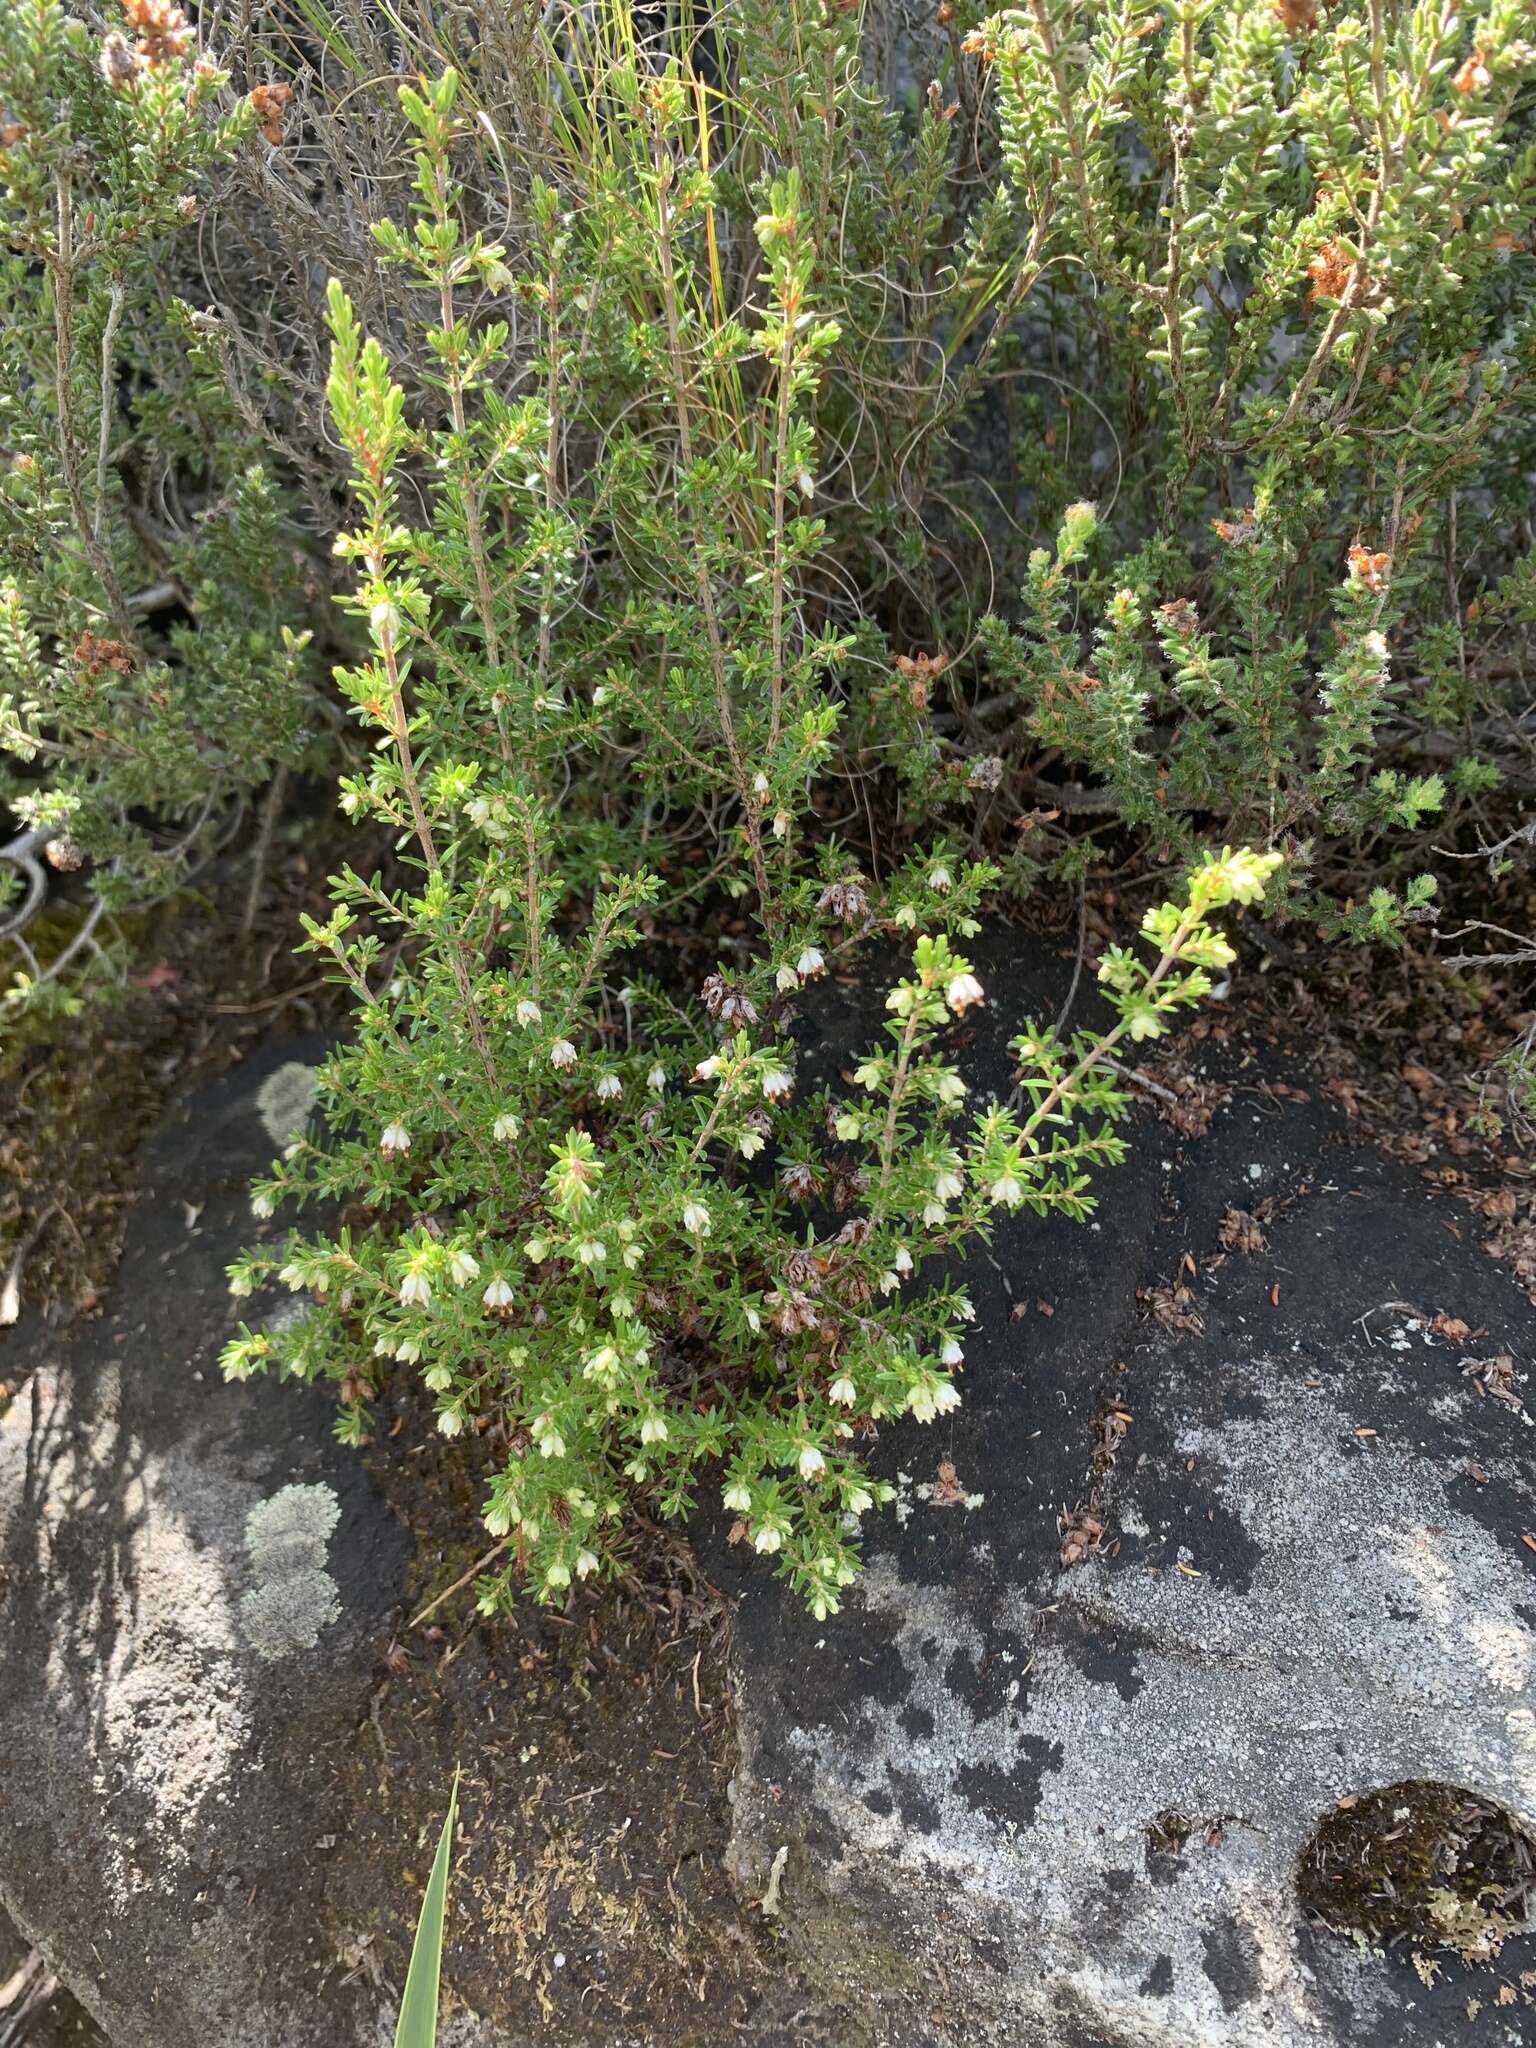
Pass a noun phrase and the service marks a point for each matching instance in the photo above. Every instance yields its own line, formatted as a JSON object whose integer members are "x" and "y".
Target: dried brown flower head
{"x": 728, "y": 1001}
{"x": 793, "y": 1312}
{"x": 1236, "y": 532}
{"x": 1371, "y": 570}
{"x": 270, "y": 102}
{"x": 64, "y": 855}
{"x": 1331, "y": 270}
{"x": 163, "y": 31}
{"x": 1474, "y": 75}
{"x": 801, "y": 1267}
{"x": 118, "y": 66}
{"x": 919, "y": 672}
{"x": 96, "y": 654}
{"x": 844, "y": 900}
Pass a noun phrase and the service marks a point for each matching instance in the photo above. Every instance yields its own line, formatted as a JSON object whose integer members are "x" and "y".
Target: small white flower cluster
{"x": 963, "y": 992}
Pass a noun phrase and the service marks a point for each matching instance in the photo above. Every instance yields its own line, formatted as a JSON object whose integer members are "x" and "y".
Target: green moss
{"x": 1431, "y": 1862}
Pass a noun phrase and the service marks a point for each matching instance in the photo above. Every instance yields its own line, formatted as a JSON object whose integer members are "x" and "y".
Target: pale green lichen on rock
{"x": 285, "y": 1099}
{"x": 297, "y": 1514}
{"x": 293, "y": 1598}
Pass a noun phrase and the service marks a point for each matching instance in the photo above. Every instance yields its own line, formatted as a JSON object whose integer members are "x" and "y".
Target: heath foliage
{"x": 592, "y": 1210}
{"x": 152, "y": 663}
{"x": 791, "y": 475}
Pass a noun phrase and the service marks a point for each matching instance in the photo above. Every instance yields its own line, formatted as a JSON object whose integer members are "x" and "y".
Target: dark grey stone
{"x": 992, "y": 1802}
{"x": 163, "y": 1780}
{"x": 1285, "y": 1611}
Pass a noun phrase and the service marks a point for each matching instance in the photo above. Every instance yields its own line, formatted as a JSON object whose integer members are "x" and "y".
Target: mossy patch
{"x": 1422, "y": 1861}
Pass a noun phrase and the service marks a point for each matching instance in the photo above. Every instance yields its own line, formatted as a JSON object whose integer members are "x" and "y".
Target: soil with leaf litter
{"x": 77, "y": 1095}
{"x": 596, "y": 1751}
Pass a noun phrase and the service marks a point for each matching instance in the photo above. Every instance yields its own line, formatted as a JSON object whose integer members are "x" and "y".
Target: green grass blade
{"x": 320, "y": 22}
{"x": 417, "y": 2027}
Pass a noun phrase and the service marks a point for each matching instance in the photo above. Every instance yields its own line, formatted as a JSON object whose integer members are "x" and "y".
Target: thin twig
{"x": 277, "y": 789}
{"x": 108, "y": 407}
{"x": 10, "y": 1293}
{"x": 1082, "y": 946}
{"x": 1141, "y": 1080}
{"x": 288, "y": 995}
{"x": 22, "y": 853}
{"x": 459, "y": 1584}
{"x": 25, "y": 1997}
{"x": 1523, "y": 835}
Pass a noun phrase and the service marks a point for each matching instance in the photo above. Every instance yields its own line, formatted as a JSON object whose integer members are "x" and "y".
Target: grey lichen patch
{"x": 935, "y": 1781}
{"x": 293, "y": 1598}
{"x": 285, "y": 1099}
{"x": 1378, "y": 1638}
{"x": 1376, "y": 1633}
{"x": 297, "y": 1521}
{"x": 290, "y": 1613}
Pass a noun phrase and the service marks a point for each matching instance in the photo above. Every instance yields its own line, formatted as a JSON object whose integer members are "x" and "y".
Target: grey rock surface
{"x": 224, "y": 1756}
{"x": 1012, "y": 1802}
{"x": 169, "y": 1736}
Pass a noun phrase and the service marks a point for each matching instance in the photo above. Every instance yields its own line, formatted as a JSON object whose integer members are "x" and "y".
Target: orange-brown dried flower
{"x": 1236, "y": 532}
{"x": 1331, "y": 270}
{"x": 1474, "y": 75}
{"x": 270, "y": 103}
{"x": 163, "y": 31}
{"x": 1370, "y": 569}
{"x": 919, "y": 671}
{"x": 95, "y": 654}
